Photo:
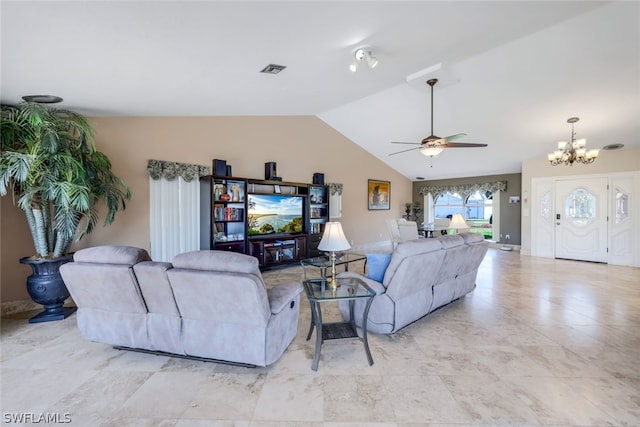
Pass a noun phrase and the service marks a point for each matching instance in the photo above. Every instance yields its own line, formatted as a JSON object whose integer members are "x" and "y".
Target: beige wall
{"x": 624, "y": 160}
{"x": 300, "y": 145}
{"x": 15, "y": 243}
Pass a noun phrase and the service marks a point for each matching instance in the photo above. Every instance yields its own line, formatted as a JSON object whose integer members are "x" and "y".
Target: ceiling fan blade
{"x": 456, "y": 136}
{"x": 404, "y": 151}
{"x": 432, "y": 140}
{"x": 462, "y": 145}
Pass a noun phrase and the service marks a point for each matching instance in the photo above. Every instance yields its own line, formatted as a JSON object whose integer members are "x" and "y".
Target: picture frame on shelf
{"x": 378, "y": 195}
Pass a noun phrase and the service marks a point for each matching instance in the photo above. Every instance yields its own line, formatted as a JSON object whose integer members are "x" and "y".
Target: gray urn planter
{"x": 46, "y": 287}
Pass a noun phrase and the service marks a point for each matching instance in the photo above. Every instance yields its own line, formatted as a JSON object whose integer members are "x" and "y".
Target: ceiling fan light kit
{"x": 569, "y": 153}
{"x": 362, "y": 55}
{"x": 431, "y": 151}
{"x": 434, "y": 145}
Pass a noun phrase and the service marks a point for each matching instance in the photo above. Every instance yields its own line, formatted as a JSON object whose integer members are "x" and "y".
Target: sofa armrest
{"x": 377, "y": 287}
{"x": 281, "y": 296}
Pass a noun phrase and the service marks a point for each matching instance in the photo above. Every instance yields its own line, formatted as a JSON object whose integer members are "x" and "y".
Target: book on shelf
{"x": 225, "y": 213}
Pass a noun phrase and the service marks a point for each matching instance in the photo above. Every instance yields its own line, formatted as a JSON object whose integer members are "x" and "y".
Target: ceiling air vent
{"x": 273, "y": 69}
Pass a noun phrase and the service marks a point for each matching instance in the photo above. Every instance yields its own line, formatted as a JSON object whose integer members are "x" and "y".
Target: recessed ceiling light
{"x": 273, "y": 69}
{"x": 42, "y": 99}
{"x": 613, "y": 147}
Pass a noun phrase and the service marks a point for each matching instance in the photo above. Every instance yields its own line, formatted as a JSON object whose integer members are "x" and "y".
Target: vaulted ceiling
{"x": 511, "y": 73}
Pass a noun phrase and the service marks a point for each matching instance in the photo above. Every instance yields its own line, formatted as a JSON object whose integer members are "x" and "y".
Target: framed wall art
{"x": 378, "y": 194}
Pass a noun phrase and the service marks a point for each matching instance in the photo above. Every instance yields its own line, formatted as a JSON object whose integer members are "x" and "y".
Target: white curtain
{"x": 335, "y": 200}
{"x": 175, "y": 217}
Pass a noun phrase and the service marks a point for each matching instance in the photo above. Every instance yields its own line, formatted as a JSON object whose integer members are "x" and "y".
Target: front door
{"x": 581, "y": 219}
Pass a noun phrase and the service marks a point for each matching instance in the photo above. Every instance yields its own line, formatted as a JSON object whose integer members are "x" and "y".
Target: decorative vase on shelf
{"x": 225, "y": 197}
{"x": 235, "y": 189}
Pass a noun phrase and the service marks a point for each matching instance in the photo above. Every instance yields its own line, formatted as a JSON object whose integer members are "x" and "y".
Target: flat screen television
{"x": 274, "y": 214}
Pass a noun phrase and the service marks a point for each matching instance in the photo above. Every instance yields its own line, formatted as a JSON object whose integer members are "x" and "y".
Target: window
{"x": 477, "y": 202}
{"x": 448, "y": 204}
{"x": 580, "y": 206}
{"x": 622, "y": 206}
{"x": 477, "y": 209}
{"x": 478, "y": 206}
{"x": 174, "y": 207}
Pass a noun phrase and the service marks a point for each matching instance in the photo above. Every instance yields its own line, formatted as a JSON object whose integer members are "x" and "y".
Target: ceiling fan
{"x": 433, "y": 145}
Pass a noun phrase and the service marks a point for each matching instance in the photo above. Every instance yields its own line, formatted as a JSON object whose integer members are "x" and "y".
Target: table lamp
{"x": 333, "y": 240}
{"x": 457, "y": 222}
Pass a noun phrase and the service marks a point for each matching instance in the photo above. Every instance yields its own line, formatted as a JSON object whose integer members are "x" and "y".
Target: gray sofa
{"x": 422, "y": 276}
{"x": 205, "y": 304}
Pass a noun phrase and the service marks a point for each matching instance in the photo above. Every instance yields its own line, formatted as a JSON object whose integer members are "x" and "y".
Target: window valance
{"x": 171, "y": 170}
{"x": 465, "y": 190}
{"x": 335, "y": 188}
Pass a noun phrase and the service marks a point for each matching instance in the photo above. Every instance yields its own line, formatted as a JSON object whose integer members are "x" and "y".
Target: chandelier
{"x": 574, "y": 151}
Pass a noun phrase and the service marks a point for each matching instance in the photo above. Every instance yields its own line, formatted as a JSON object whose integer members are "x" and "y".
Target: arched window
{"x": 478, "y": 203}
{"x": 476, "y": 209}
{"x": 479, "y": 206}
{"x": 448, "y": 204}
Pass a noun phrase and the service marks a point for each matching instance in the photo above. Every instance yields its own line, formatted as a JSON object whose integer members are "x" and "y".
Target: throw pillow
{"x": 376, "y": 266}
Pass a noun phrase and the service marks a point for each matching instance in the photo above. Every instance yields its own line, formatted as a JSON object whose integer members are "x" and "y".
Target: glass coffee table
{"x": 351, "y": 289}
{"x": 324, "y": 262}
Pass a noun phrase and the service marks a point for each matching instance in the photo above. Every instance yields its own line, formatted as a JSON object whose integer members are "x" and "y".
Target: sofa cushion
{"x": 376, "y": 266}
{"x": 221, "y": 261}
{"x": 112, "y": 254}
{"x": 471, "y": 237}
{"x": 450, "y": 241}
{"x": 406, "y": 250}
{"x": 415, "y": 247}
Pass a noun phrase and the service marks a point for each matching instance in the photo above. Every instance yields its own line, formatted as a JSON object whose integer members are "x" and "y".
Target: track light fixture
{"x": 361, "y": 55}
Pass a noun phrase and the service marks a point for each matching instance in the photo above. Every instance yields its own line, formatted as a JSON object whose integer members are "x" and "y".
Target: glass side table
{"x": 324, "y": 262}
{"x": 319, "y": 291}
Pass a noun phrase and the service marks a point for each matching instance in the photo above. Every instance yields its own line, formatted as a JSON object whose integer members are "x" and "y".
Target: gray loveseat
{"x": 205, "y": 304}
{"x": 422, "y": 276}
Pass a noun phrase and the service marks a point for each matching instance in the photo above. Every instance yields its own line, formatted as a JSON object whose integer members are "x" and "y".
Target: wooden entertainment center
{"x": 278, "y": 222}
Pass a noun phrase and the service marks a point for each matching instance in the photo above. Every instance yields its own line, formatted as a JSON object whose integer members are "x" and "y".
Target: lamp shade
{"x": 333, "y": 238}
{"x": 458, "y": 222}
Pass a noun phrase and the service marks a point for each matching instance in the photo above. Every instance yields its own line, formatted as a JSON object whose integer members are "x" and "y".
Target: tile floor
{"x": 539, "y": 342}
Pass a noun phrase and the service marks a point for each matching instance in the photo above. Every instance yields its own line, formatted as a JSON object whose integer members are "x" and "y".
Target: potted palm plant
{"x": 50, "y": 165}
